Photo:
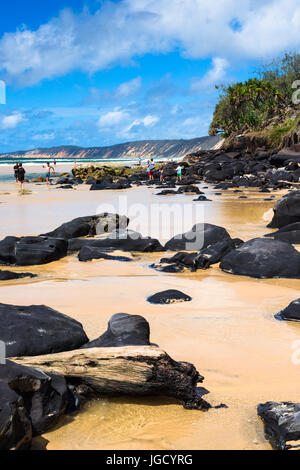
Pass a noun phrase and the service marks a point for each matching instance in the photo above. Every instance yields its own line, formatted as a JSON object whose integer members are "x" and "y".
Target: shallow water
{"x": 228, "y": 330}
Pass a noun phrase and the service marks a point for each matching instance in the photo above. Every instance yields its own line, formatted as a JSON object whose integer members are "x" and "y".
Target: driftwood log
{"x": 130, "y": 370}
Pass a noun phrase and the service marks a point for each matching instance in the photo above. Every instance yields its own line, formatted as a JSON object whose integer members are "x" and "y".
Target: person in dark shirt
{"x": 21, "y": 175}
{"x": 16, "y": 168}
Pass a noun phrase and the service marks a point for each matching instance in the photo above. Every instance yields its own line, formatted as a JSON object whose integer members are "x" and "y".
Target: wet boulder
{"x": 286, "y": 210}
{"x": 39, "y": 250}
{"x": 88, "y": 253}
{"x": 281, "y": 423}
{"x": 291, "y": 312}
{"x": 9, "y": 275}
{"x": 105, "y": 185}
{"x": 89, "y": 226}
{"x": 125, "y": 240}
{"x": 201, "y": 199}
{"x": 123, "y": 330}
{"x": 289, "y": 233}
{"x": 31, "y": 402}
{"x": 263, "y": 258}
{"x": 169, "y": 268}
{"x": 167, "y": 192}
{"x": 189, "y": 189}
{"x": 169, "y": 296}
{"x": 8, "y": 250}
{"x": 200, "y": 236}
{"x": 36, "y": 329}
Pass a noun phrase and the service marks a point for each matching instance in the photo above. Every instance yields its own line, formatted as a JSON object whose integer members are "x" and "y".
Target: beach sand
{"x": 227, "y": 331}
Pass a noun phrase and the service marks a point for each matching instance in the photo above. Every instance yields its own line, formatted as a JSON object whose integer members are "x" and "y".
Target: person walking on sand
{"x": 179, "y": 173}
{"x": 21, "y": 175}
{"x": 151, "y": 168}
{"x": 48, "y": 174}
{"x": 16, "y": 167}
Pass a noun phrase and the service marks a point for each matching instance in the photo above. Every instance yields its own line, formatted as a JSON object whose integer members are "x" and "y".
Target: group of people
{"x": 19, "y": 174}
{"x": 151, "y": 168}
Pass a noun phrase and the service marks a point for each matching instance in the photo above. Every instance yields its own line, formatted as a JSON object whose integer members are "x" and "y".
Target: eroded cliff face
{"x": 132, "y": 150}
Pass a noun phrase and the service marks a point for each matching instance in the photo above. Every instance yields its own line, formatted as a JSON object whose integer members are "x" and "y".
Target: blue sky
{"x": 94, "y": 73}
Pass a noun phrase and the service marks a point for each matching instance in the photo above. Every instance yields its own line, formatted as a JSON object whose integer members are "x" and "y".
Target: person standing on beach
{"x": 179, "y": 173}
{"x": 151, "y": 168}
{"x": 162, "y": 175}
{"x": 48, "y": 174}
{"x": 16, "y": 167}
{"x": 21, "y": 175}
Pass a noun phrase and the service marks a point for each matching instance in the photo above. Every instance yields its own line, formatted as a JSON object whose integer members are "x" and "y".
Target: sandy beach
{"x": 227, "y": 331}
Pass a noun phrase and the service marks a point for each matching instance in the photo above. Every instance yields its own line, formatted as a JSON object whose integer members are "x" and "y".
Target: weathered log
{"x": 130, "y": 370}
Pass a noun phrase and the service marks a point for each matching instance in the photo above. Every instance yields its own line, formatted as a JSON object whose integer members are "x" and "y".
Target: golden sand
{"x": 228, "y": 330}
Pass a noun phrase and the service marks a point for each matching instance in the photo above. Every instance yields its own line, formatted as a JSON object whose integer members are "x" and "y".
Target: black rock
{"x": 282, "y": 423}
{"x": 202, "y": 198}
{"x": 169, "y": 297}
{"x": 289, "y": 233}
{"x": 167, "y": 192}
{"x": 31, "y": 402}
{"x": 125, "y": 240}
{"x": 123, "y": 330}
{"x": 88, "y": 253}
{"x": 201, "y": 236}
{"x": 8, "y": 250}
{"x": 9, "y": 275}
{"x": 291, "y": 312}
{"x": 104, "y": 185}
{"x": 286, "y": 210}
{"x": 171, "y": 268}
{"x": 189, "y": 189}
{"x": 35, "y": 330}
{"x": 39, "y": 250}
{"x": 263, "y": 258}
{"x": 88, "y": 226}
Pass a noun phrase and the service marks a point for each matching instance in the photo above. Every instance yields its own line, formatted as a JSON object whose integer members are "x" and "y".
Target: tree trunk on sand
{"x": 130, "y": 370}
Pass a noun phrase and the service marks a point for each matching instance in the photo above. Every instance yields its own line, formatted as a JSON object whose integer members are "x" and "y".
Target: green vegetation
{"x": 24, "y": 192}
{"x": 261, "y": 102}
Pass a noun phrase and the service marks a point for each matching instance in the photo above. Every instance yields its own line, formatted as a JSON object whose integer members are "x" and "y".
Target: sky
{"x": 99, "y": 72}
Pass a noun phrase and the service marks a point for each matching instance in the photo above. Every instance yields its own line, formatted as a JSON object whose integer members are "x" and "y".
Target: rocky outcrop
{"x": 125, "y": 240}
{"x": 263, "y": 258}
{"x": 281, "y": 422}
{"x": 89, "y": 226}
{"x": 199, "y": 237}
{"x": 37, "y": 329}
{"x": 291, "y": 312}
{"x": 9, "y": 275}
{"x": 286, "y": 210}
{"x": 88, "y": 253}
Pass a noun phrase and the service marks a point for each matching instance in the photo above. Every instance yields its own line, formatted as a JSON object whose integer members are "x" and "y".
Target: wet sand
{"x": 228, "y": 330}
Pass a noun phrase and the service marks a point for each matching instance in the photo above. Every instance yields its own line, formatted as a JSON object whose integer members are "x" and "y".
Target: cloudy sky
{"x": 95, "y": 73}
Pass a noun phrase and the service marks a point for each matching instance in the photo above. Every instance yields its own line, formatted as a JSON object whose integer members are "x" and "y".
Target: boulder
{"x": 281, "y": 422}
{"x": 88, "y": 226}
{"x": 88, "y": 253}
{"x": 31, "y": 402}
{"x": 9, "y": 275}
{"x": 289, "y": 233}
{"x": 123, "y": 330}
{"x": 291, "y": 312}
{"x": 8, "y": 250}
{"x": 204, "y": 258}
{"x": 120, "y": 184}
{"x": 125, "y": 240}
{"x": 189, "y": 189}
{"x": 286, "y": 210}
{"x": 202, "y": 198}
{"x": 171, "y": 268}
{"x": 167, "y": 192}
{"x": 37, "y": 329}
{"x": 39, "y": 250}
{"x": 169, "y": 296}
{"x": 263, "y": 258}
{"x": 200, "y": 236}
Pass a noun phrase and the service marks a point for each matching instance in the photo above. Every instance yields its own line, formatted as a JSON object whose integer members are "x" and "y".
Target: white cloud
{"x": 11, "y": 121}
{"x": 214, "y": 76}
{"x": 121, "y": 31}
{"x": 45, "y": 136}
{"x": 111, "y": 118}
{"x": 129, "y": 88}
{"x": 147, "y": 121}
